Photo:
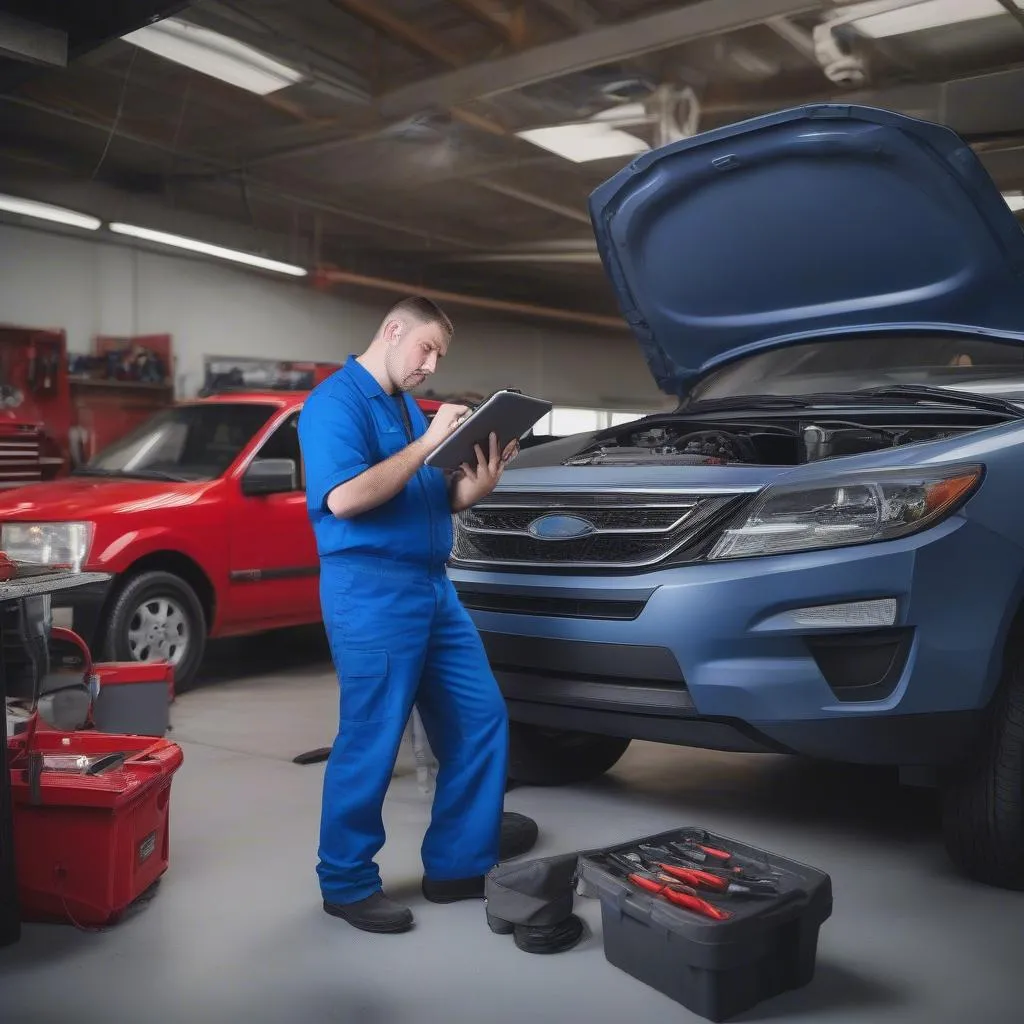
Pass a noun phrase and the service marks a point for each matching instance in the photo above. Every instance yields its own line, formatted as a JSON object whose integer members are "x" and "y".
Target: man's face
{"x": 414, "y": 351}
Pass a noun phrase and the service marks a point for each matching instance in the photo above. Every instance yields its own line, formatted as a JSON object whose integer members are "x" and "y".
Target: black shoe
{"x": 518, "y": 835}
{"x": 374, "y": 914}
{"x": 552, "y": 939}
{"x": 453, "y": 890}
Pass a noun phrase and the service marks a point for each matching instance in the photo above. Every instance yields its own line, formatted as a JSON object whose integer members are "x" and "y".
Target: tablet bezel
{"x": 437, "y": 458}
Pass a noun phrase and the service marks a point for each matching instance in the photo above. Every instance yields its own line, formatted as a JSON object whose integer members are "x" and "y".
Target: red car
{"x": 199, "y": 515}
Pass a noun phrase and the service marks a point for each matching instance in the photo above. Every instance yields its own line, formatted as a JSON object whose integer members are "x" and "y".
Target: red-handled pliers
{"x": 695, "y": 877}
{"x": 680, "y": 899}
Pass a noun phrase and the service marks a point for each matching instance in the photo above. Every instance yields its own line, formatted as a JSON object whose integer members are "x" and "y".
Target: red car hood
{"x": 88, "y": 498}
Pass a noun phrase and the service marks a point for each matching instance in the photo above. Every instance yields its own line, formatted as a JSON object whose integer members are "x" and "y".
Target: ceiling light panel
{"x": 44, "y": 211}
{"x": 207, "y": 249}
{"x": 928, "y": 14}
{"x": 216, "y": 55}
{"x": 584, "y": 142}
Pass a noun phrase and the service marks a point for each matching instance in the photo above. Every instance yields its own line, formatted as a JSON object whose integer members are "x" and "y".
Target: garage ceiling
{"x": 392, "y": 148}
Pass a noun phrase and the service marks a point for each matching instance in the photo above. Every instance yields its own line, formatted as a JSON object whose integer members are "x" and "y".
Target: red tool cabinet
{"x": 87, "y": 846}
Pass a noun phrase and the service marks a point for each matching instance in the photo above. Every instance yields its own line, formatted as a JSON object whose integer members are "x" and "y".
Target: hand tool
{"x": 679, "y": 898}
{"x": 692, "y": 876}
{"x": 731, "y": 885}
{"x": 709, "y": 851}
{"x": 737, "y": 872}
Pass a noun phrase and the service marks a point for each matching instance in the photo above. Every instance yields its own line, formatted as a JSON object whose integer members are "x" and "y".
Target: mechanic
{"x": 398, "y": 633}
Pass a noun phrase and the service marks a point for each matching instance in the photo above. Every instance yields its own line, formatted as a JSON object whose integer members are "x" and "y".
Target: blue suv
{"x": 821, "y": 551}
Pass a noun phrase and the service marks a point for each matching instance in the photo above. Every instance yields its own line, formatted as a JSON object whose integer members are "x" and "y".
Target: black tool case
{"x": 716, "y": 969}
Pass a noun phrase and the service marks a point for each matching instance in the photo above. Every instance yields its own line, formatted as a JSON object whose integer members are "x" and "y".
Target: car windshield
{"x": 187, "y": 442}
{"x": 857, "y": 364}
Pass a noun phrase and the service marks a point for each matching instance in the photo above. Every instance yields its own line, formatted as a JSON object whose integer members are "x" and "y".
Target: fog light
{"x": 847, "y": 615}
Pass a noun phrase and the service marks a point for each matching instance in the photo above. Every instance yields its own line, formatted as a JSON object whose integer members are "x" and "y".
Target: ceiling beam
{"x": 1005, "y": 166}
{"x": 541, "y": 202}
{"x": 576, "y": 15}
{"x": 398, "y": 30}
{"x": 1014, "y": 11}
{"x": 552, "y": 60}
{"x": 326, "y": 276}
{"x": 268, "y": 188}
{"x": 594, "y": 48}
{"x": 280, "y": 37}
{"x": 36, "y": 44}
{"x": 800, "y": 40}
{"x": 499, "y": 21}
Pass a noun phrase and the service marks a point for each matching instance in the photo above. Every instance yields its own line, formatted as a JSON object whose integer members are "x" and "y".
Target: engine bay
{"x": 684, "y": 442}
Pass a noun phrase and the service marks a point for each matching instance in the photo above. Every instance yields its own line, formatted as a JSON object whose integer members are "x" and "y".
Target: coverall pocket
{"x": 365, "y": 685}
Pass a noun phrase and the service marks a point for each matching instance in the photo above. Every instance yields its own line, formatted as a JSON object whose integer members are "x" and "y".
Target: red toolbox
{"x": 91, "y": 828}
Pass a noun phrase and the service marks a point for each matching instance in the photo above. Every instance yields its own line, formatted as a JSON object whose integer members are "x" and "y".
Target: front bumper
{"x": 703, "y": 655}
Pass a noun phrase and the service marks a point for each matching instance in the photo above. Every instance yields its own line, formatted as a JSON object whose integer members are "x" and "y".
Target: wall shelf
{"x": 135, "y": 385}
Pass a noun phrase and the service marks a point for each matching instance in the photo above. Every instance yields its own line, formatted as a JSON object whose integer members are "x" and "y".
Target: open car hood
{"x": 821, "y": 220}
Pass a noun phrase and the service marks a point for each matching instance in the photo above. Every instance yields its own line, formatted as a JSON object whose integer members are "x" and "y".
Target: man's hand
{"x": 474, "y": 483}
{"x": 445, "y": 420}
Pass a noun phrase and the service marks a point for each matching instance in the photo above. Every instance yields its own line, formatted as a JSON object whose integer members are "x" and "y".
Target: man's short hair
{"x": 424, "y": 311}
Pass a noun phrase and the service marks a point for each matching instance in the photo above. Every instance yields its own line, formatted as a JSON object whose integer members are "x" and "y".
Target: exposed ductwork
{"x": 324, "y": 277}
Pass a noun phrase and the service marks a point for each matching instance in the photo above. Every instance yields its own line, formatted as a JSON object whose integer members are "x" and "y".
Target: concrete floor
{"x": 235, "y": 931}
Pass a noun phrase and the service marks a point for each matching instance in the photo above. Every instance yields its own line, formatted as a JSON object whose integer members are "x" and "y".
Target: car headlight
{"x": 59, "y": 545}
{"x": 856, "y": 510}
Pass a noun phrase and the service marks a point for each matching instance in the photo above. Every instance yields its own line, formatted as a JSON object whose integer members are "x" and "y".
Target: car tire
{"x": 150, "y": 600}
{"x": 555, "y": 757}
{"x": 983, "y": 797}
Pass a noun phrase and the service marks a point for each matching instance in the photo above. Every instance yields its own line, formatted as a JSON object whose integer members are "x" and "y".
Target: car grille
{"x": 630, "y": 530}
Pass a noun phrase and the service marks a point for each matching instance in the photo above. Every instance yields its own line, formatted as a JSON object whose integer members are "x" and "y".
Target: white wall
{"x": 88, "y": 287}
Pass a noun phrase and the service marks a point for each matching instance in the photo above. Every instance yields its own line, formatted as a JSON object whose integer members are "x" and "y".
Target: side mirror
{"x": 270, "y": 476}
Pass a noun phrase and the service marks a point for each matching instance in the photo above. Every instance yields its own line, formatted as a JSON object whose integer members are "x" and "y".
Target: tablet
{"x": 509, "y": 414}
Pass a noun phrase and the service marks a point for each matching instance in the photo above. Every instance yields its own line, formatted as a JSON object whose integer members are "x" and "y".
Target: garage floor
{"x": 235, "y": 932}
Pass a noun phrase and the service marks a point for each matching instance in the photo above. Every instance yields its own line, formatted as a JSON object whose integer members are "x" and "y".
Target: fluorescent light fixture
{"x": 44, "y": 211}
{"x": 917, "y": 17}
{"x": 214, "y": 54}
{"x": 586, "y": 141}
{"x": 206, "y": 249}
{"x": 1014, "y": 200}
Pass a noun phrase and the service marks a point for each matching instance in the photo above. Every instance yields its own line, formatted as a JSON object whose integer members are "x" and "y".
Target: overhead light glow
{"x": 586, "y": 141}
{"x": 214, "y": 54}
{"x": 929, "y": 14}
{"x": 194, "y": 245}
{"x": 1014, "y": 200}
{"x": 44, "y": 211}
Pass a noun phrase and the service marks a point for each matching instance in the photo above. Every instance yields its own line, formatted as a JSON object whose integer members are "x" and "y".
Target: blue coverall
{"x": 398, "y": 636}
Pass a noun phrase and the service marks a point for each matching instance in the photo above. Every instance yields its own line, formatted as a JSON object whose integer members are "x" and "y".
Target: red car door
{"x": 274, "y": 569}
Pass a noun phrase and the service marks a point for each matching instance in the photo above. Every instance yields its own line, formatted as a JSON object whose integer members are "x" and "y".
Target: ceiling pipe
{"x": 326, "y": 276}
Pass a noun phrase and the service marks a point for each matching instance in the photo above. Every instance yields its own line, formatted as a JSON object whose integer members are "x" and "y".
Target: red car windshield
{"x": 188, "y": 442}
